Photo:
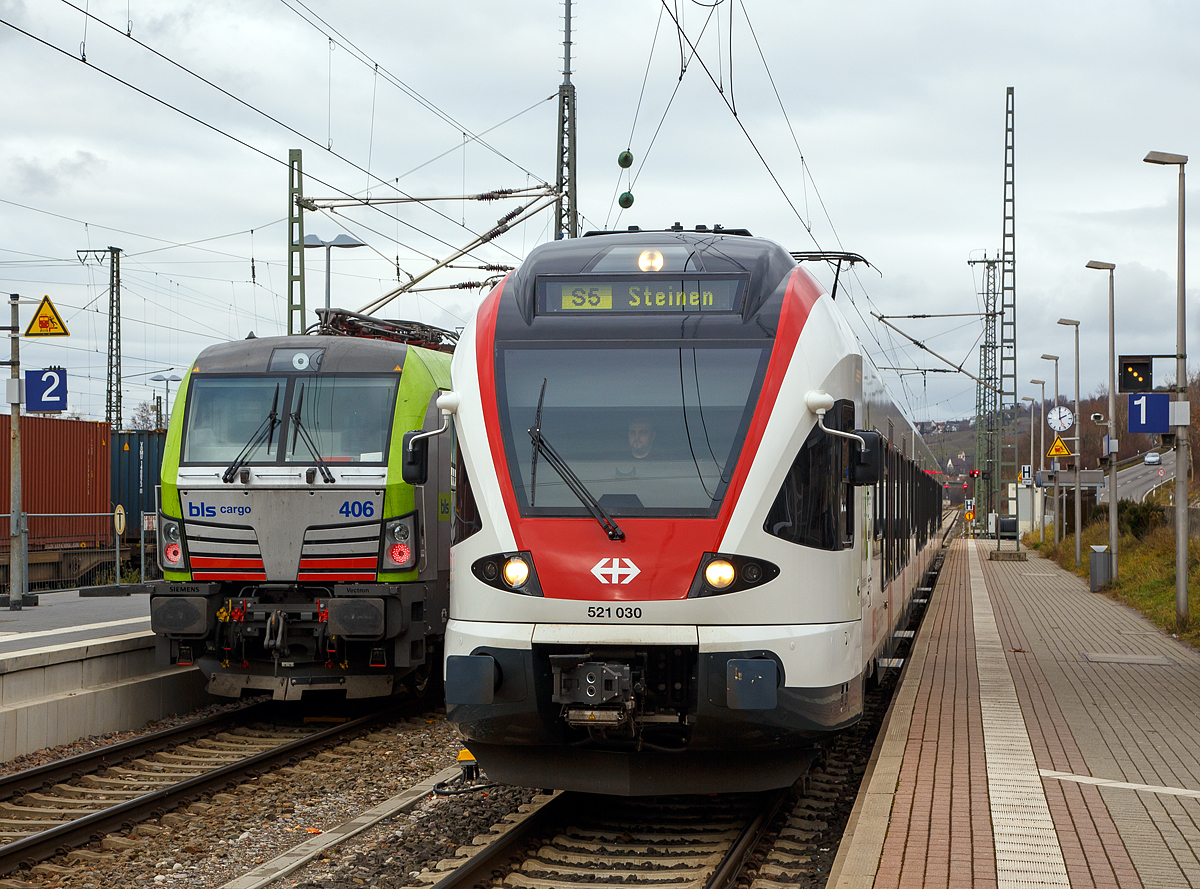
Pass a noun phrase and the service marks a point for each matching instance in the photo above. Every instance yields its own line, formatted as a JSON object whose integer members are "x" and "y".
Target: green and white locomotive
{"x": 296, "y": 556}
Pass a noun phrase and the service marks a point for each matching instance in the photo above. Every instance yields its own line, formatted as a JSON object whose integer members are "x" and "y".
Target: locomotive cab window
{"x": 815, "y": 504}
{"x": 343, "y": 418}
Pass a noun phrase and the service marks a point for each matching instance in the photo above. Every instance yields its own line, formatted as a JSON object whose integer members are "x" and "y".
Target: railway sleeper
{"x": 94, "y": 793}
{"x": 533, "y": 866}
{"x": 64, "y": 802}
{"x": 574, "y": 844}
{"x": 34, "y": 813}
{"x": 627, "y": 859}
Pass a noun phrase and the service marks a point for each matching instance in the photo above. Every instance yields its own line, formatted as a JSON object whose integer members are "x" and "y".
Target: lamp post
{"x": 1042, "y": 454}
{"x": 1033, "y": 479}
{"x": 1112, "y": 415}
{"x": 1058, "y": 519}
{"x": 339, "y": 241}
{"x": 173, "y": 378}
{"x": 1181, "y": 420}
{"x": 1078, "y": 463}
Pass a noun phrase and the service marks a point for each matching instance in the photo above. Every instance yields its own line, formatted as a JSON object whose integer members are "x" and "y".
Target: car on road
{"x": 1154, "y": 458}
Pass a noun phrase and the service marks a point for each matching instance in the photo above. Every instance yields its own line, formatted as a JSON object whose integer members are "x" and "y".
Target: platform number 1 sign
{"x": 1148, "y": 412}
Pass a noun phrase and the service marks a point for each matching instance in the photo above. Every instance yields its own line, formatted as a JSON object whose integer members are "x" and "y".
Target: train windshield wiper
{"x": 265, "y": 432}
{"x": 301, "y": 430}
{"x": 536, "y": 433}
{"x": 559, "y": 465}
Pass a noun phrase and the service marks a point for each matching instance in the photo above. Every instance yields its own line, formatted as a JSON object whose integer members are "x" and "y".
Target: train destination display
{"x": 638, "y": 295}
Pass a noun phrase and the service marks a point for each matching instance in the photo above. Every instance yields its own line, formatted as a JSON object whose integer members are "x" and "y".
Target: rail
{"x": 27, "y": 851}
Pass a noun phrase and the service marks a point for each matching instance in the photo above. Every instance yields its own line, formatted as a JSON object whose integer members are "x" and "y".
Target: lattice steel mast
{"x": 1008, "y": 325}
{"x": 987, "y": 400}
{"x": 295, "y": 243}
{"x": 566, "y": 211}
{"x": 112, "y": 396}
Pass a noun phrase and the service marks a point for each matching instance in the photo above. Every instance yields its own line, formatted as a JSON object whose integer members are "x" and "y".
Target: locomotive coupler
{"x": 594, "y": 694}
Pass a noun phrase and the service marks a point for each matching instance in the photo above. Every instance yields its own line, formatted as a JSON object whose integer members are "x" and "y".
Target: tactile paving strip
{"x": 1027, "y": 848}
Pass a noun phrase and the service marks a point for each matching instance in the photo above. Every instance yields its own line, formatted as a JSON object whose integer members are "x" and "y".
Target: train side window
{"x": 814, "y": 506}
{"x": 467, "y": 519}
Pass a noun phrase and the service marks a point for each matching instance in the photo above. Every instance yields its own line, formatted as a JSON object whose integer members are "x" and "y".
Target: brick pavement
{"x": 925, "y": 816}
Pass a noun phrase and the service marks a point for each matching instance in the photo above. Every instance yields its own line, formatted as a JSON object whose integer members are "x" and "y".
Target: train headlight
{"x": 516, "y": 572}
{"x": 719, "y": 574}
{"x": 511, "y": 572}
{"x": 722, "y": 573}
{"x": 650, "y": 261}
{"x": 171, "y": 532}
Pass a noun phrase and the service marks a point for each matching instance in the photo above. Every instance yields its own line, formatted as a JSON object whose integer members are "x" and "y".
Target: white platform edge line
{"x": 1014, "y": 781}
{"x": 1120, "y": 785}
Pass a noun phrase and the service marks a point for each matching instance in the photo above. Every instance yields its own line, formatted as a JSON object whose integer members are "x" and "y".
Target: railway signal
{"x": 1136, "y": 374}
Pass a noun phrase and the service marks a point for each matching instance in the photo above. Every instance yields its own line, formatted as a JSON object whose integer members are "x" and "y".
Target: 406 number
{"x": 358, "y": 509}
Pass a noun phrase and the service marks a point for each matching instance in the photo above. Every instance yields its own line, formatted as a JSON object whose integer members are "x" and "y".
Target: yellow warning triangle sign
{"x": 46, "y": 321}
{"x": 1058, "y": 449}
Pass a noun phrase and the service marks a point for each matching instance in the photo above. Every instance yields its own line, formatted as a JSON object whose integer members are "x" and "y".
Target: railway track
{"x": 585, "y": 841}
{"x": 51, "y": 809}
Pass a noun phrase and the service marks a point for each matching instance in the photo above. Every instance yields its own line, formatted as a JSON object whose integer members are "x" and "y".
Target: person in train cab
{"x": 641, "y": 437}
{"x": 641, "y": 442}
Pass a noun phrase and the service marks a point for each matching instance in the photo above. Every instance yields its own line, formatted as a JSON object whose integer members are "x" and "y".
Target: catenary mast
{"x": 566, "y": 211}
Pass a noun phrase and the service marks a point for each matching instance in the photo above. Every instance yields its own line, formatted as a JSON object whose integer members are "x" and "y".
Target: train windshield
{"x": 347, "y": 418}
{"x": 648, "y": 431}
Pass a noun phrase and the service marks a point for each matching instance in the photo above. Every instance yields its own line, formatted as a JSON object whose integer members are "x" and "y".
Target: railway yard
{"x": 222, "y": 836}
{"x": 267, "y": 796}
{"x": 1095, "y": 784}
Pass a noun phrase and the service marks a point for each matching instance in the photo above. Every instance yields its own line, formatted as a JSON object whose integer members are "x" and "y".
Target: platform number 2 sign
{"x": 46, "y": 390}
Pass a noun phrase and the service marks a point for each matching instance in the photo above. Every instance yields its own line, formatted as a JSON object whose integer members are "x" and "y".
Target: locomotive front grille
{"x": 224, "y": 552}
{"x": 340, "y": 553}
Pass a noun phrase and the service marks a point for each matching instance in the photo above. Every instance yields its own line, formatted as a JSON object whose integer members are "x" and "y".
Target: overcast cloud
{"x": 897, "y": 108}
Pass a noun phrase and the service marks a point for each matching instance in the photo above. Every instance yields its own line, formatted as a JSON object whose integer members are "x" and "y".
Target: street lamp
{"x": 1042, "y": 454}
{"x": 1112, "y": 415}
{"x": 161, "y": 378}
{"x": 1031, "y": 481}
{"x": 1181, "y": 420}
{"x": 1078, "y": 463}
{"x": 339, "y": 241}
{"x": 1058, "y": 519}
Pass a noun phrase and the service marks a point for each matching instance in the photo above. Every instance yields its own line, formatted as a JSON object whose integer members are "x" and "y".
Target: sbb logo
{"x": 200, "y": 510}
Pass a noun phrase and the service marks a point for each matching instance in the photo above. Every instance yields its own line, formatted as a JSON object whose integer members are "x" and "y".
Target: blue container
{"x": 136, "y": 463}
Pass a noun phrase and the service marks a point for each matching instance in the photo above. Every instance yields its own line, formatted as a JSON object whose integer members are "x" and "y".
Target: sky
{"x": 163, "y": 127}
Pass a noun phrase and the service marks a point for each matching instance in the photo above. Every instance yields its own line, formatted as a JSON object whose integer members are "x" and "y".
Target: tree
{"x": 144, "y": 416}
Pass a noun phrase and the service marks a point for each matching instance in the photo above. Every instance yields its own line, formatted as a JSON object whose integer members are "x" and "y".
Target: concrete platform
{"x": 60, "y": 693}
{"x": 1042, "y": 735}
{"x": 68, "y": 616}
{"x": 73, "y": 667}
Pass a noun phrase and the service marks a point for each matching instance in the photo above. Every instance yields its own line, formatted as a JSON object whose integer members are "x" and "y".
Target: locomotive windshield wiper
{"x": 265, "y": 431}
{"x": 302, "y": 430}
{"x": 599, "y": 513}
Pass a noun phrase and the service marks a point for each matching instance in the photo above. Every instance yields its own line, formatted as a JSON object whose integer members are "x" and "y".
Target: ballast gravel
{"x": 213, "y": 841}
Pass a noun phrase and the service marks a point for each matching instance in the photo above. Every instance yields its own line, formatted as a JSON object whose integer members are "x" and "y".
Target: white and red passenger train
{"x": 674, "y": 564}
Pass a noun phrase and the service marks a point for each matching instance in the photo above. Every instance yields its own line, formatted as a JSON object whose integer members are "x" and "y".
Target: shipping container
{"x": 136, "y": 460}
{"x": 66, "y": 474}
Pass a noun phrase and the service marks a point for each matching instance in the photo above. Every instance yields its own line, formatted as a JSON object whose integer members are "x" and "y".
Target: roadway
{"x": 1136, "y": 481}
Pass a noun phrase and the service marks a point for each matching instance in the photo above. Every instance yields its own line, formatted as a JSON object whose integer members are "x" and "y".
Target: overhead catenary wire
{"x": 327, "y": 147}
